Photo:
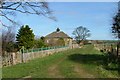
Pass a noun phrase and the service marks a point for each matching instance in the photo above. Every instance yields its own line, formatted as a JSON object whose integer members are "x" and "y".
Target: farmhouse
{"x": 58, "y": 38}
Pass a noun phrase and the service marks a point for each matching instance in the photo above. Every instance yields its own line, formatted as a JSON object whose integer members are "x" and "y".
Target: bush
{"x": 39, "y": 43}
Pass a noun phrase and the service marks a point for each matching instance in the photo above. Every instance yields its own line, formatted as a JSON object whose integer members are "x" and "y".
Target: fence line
{"x": 27, "y": 55}
{"x": 106, "y": 48}
{"x": 41, "y": 49}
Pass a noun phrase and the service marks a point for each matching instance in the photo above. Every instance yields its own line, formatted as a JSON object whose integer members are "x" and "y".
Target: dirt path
{"x": 53, "y": 71}
{"x": 81, "y": 72}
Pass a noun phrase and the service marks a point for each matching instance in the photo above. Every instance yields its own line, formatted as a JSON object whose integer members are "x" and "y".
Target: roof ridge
{"x": 56, "y": 34}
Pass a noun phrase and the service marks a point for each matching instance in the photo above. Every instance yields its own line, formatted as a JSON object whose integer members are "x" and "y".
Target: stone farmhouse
{"x": 58, "y": 38}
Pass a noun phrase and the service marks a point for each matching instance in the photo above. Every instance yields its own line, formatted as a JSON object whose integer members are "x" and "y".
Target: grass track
{"x": 75, "y": 63}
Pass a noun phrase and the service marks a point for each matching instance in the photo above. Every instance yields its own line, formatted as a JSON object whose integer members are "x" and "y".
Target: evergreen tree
{"x": 25, "y": 37}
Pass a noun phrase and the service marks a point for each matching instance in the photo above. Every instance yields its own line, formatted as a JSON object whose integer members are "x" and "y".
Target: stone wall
{"x": 25, "y": 57}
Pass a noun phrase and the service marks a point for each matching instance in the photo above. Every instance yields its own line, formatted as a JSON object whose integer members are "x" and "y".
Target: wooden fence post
{"x": 111, "y": 49}
{"x": 117, "y": 49}
{"x": 14, "y": 58}
{"x": 22, "y": 54}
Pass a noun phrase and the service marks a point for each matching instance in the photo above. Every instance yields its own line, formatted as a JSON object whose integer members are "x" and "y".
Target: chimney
{"x": 57, "y": 30}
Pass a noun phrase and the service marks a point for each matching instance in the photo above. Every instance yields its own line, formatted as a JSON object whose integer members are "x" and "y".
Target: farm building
{"x": 58, "y": 38}
{"x": 74, "y": 44}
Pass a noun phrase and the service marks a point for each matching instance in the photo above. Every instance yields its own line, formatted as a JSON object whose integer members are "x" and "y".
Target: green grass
{"x": 74, "y": 63}
{"x": 32, "y": 68}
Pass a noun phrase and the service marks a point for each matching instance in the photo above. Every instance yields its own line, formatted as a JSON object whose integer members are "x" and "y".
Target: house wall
{"x": 75, "y": 45}
{"x": 53, "y": 41}
{"x": 68, "y": 41}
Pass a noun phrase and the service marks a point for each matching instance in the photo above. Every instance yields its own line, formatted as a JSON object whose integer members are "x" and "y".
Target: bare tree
{"x": 8, "y": 40}
{"x": 37, "y": 8}
{"x": 81, "y": 33}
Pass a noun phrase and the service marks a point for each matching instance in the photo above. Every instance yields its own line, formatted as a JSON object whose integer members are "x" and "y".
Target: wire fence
{"x": 40, "y": 49}
{"x": 108, "y": 47}
{"x": 27, "y": 55}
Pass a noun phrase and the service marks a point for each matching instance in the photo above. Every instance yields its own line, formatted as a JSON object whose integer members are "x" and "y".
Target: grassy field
{"x": 83, "y": 62}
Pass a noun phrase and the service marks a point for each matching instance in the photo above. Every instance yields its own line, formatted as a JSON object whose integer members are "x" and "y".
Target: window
{"x": 47, "y": 41}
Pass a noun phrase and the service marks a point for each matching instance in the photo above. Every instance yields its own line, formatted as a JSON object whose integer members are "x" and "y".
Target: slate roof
{"x": 57, "y": 34}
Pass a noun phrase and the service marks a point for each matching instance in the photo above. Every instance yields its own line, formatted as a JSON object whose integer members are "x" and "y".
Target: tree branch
{"x": 39, "y": 8}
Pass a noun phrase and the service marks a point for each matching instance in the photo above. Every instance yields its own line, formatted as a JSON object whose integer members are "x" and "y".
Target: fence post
{"x": 111, "y": 49}
{"x": 117, "y": 49}
{"x": 41, "y": 50}
{"x": 13, "y": 58}
{"x": 22, "y": 52}
{"x": 26, "y": 57}
{"x": 32, "y": 54}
